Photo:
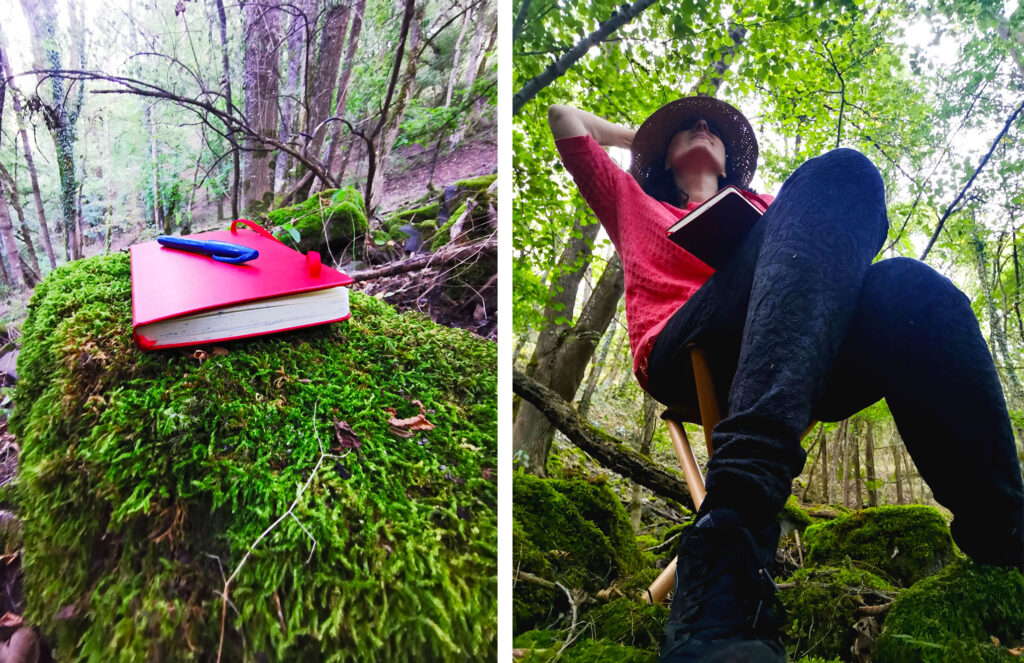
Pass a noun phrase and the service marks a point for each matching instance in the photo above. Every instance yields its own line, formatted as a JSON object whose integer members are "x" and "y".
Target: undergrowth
{"x": 145, "y": 478}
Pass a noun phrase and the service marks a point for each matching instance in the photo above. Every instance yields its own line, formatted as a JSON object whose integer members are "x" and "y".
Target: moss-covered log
{"x": 145, "y": 478}
{"x": 608, "y": 451}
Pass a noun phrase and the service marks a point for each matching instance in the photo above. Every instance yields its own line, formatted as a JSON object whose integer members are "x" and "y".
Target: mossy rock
{"x": 333, "y": 217}
{"x": 415, "y": 215}
{"x": 629, "y": 622}
{"x": 793, "y": 517}
{"x": 952, "y": 617}
{"x": 905, "y": 543}
{"x": 821, "y": 608}
{"x": 146, "y": 478}
{"x": 569, "y": 531}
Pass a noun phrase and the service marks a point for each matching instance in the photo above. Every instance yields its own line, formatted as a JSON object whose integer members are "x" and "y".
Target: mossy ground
{"x": 822, "y": 606}
{"x": 335, "y": 217}
{"x": 145, "y": 477}
{"x": 903, "y": 543}
{"x": 953, "y": 616}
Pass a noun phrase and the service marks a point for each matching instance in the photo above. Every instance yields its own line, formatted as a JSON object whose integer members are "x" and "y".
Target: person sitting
{"x": 799, "y": 324}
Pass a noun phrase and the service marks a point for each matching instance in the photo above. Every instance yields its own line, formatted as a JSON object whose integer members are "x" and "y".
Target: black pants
{"x": 800, "y": 325}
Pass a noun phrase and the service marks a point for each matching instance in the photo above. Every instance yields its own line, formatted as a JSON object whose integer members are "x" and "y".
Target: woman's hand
{"x": 566, "y": 121}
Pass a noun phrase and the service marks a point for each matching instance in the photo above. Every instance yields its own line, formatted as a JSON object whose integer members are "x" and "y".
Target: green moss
{"x": 793, "y": 516}
{"x": 567, "y": 531}
{"x": 335, "y": 217}
{"x": 586, "y": 650}
{"x": 145, "y": 477}
{"x": 628, "y": 622}
{"x": 906, "y": 543}
{"x": 821, "y": 608}
{"x": 481, "y": 183}
{"x": 416, "y": 215}
{"x": 953, "y": 616}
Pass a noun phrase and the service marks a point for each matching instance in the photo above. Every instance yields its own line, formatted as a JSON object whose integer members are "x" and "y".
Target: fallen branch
{"x": 442, "y": 257}
{"x": 606, "y": 450}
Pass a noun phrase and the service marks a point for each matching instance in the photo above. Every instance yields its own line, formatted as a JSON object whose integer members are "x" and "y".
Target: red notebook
{"x": 181, "y": 298}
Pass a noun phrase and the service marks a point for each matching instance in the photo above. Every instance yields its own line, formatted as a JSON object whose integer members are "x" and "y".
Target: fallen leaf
{"x": 347, "y": 439}
{"x": 470, "y": 447}
{"x": 487, "y": 472}
{"x": 342, "y": 471}
{"x": 219, "y": 351}
{"x": 1016, "y": 651}
{"x": 405, "y": 427}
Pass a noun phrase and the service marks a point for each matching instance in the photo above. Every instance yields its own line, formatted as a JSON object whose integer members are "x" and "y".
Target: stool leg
{"x": 661, "y": 586}
{"x": 710, "y": 415}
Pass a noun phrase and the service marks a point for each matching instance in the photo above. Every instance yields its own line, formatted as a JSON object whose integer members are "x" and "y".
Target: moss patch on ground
{"x": 953, "y": 616}
{"x": 821, "y": 608}
{"x": 904, "y": 543}
{"x": 146, "y": 477}
{"x": 334, "y": 217}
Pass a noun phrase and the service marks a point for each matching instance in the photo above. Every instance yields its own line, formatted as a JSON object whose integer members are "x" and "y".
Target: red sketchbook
{"x": 181, "y": 298}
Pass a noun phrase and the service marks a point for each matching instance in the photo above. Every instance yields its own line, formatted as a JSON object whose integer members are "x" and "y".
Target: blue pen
{"x": 234, "y": 254}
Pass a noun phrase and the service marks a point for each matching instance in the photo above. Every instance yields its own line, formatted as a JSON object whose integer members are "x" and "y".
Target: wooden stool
{"x": 707, "y": 414}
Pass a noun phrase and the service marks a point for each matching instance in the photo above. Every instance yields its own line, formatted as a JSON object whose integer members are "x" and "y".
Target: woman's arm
{"x": 567, "y": 121}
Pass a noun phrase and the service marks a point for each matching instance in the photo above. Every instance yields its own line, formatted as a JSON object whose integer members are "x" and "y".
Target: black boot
{"x": 724, "y": 608}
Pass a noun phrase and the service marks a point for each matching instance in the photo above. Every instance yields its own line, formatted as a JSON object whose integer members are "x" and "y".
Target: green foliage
{"x": 145, "y": 478}
{"x": 821, "y": 608}
{"x": 954, "y": 615}
{"x": 905, "y": 543}
{"x": 334, "y": 216}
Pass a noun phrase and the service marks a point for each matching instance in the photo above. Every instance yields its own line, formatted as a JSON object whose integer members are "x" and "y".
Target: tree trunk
{"x": 824, "y": 470}
{"x": 869, "y": 463}
{"x": 332, "y": 39}
{"x": 60, "y": 119}
{"x": 230, "y": 107}
{"x": 896, "y": 464}
{"x": 154, "y": 183}
{"x": 456, "y": 57}
{"x": 296, "y": 57}
{"x": 334, "y": 151}
{"x": 855, "y": 453}
{"x": 261, "y": 85}
{"x": 561, "y": 305}
{"x": 562, "y": 369}
{"x": 477, "y": 54}
{"x": 33, "y": 274}
{"x": 19, "y": 115}
{"x": 395, "y": 114}
{"x": 610, "y": 452}
{"x": 644, "y": 444}
{"x": 595, "y": 370}
{"x": 10, "y": 245}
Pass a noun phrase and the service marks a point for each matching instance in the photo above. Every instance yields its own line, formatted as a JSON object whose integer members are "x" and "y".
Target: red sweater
{"x": 659, "y": 275}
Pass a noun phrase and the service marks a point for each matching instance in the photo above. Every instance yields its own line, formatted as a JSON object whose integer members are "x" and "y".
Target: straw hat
{"x": 654, "y": 135}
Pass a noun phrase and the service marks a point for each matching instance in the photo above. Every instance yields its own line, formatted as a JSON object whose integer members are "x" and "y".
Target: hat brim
{"x": 653, "y": 136}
